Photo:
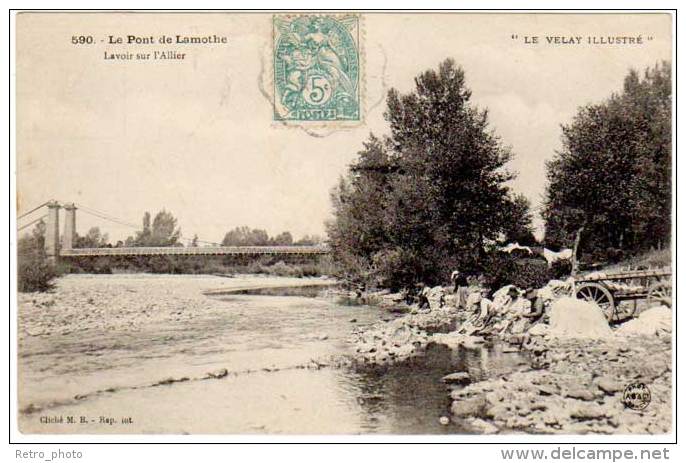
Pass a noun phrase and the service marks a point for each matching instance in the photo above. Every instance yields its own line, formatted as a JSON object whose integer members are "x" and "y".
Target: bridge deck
{"x": 196, "y": 251}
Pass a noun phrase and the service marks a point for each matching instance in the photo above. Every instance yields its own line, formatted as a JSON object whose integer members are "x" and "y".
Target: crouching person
{"x": 479, "y": 308}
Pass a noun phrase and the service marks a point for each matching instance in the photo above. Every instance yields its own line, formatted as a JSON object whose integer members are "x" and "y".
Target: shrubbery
{"x": 561, "y": 269}
{"x": 34, "y": 272}
{"x": 503, "y": 269}
{"x": 395, "y": 268}
{"x": 207, "y": 265}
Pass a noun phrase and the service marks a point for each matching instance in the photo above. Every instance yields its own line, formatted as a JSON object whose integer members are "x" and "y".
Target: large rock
{"x": 609, "y": 385}
{"x": 539, "y": 329}
{"x": 547, "y": 390}
{"x": 580, "y": 393}
{"x": 574, "y": 318}
{"x": 436, "y": 297}
{"x": 390, "y": 342}
{"x": 461, "y": 377}
{"x": 454, "y": 340}
{"x": 588, "y": 411}
{"x": 655, "y": 321}
{"x": 483, "y": 426}
{"x": 218, "y": 374}
{"x": 470, "y": 406}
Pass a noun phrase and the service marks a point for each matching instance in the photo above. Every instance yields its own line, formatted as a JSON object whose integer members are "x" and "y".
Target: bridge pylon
{"x": 69, "y": 239}
{"x": 52, "y": 232}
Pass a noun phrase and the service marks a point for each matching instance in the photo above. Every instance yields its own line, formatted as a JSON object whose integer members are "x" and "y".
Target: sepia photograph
{"x": 344, "y": 223}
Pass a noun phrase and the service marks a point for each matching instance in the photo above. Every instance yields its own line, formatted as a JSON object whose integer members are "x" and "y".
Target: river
{"x": 280, "y": 377}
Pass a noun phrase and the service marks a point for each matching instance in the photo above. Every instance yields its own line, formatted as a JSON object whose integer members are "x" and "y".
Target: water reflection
{"x": 261, "y": 340}
{"x": 410, "y": 398}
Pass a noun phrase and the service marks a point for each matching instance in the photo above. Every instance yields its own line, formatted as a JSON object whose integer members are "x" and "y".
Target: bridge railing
{"x": 190, "y": 251}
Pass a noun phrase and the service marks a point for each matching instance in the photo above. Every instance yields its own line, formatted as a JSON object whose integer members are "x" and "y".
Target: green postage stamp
{"x": 316, "y": 68}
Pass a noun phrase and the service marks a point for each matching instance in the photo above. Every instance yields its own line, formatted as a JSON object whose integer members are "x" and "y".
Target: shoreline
{"x": 573, "y": 385}
{"x": 562, "y": 386}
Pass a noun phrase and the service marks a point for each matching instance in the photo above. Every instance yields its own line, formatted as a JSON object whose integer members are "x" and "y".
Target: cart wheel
{"x": 660, "y": 293}
{"x": 594, "y": 292}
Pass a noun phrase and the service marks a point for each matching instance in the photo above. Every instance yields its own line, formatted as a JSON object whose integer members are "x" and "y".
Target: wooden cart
{"x": 609, "y": 290}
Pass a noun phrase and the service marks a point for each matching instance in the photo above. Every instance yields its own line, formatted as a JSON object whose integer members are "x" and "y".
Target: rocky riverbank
{"x": 579, "y": 367}
{"x": 578, "y": 390}
{"x": 131, "y": 302}
{"x": 565, "y": 374}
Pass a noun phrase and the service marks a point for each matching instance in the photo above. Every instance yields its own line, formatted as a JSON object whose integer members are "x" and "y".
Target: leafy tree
{"x": 309, "y": 240}
{"x": 194, "y": 241}
{"x": 162, "y": 232}
{"x": 359, "y": 230}
{"x": 34, "y": 272}
{"x": 518, "y": 222}
{"x": 245, "y": 236}
{"x": 282, "y": 239}
{"x": 613, "y": 174}
{"x": 93, "y": 239}
{"x": 425, "y": 200}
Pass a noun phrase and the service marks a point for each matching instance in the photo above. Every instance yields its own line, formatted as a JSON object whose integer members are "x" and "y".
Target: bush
{"x": 395, "y": 269}
{"x": 503, "y": 269}
{"x": 34, "y": 272}
{"x": 282, "y": 269}
{"x": 267, "y": 265}
{"x": 561, "y": 269}
{"x": 92, "y": 265}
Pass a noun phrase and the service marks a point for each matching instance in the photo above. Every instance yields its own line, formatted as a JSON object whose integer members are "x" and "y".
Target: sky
{"x": 196, "y": 136}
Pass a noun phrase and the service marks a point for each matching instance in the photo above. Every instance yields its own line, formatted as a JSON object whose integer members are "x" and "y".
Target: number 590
{"x": 81, "y": 39}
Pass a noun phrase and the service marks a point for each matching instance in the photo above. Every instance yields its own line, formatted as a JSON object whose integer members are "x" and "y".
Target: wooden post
{"x": 575, "y": 262}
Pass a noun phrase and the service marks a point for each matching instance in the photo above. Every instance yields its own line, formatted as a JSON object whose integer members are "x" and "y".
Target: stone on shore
{"x": 566, "y": 398}
{"x": 580, "y": 393}
{"x": 574, "y": 318}
{"x": 398, "y": 340}
{"x": 609, "y": 385}
{"x": 482, "y": 426}
{"x": 455, "y": 340}
{"x": 469, "y": 406}
{"x": 457, "y": 378}
{"x": 218, "y": 374}
{"x": 656, "y": 321}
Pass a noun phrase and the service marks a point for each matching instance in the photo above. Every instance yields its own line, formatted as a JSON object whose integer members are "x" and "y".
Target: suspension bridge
{"x": 65, "y": 248}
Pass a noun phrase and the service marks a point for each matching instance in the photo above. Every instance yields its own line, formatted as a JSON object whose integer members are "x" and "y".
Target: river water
{"x": 277, "y": 351}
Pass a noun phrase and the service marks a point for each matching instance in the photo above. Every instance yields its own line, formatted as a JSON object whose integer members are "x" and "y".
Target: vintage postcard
{"x": 344, "y": 223}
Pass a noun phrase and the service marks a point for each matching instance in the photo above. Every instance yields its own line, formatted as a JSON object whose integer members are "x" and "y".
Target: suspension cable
{"x": 31, "y": 223}
{"x": 32, "y": 210}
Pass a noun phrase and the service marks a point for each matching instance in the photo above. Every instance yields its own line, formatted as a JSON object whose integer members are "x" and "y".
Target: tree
{"x": 194, "y": 242}
{"x": 244, "y": 236}
{"x": 162, "y": 232}
{"x": 282, "y": 239}
{"x": 309, "y": 240}
{"x": 517, "y": 222}
{"x": 358, "y": 231}
{"x": 93, "y": 239}
{"x": 34, "y": 271}
{"x": 425, "y": 200}
{"x": 613, "y": 174}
